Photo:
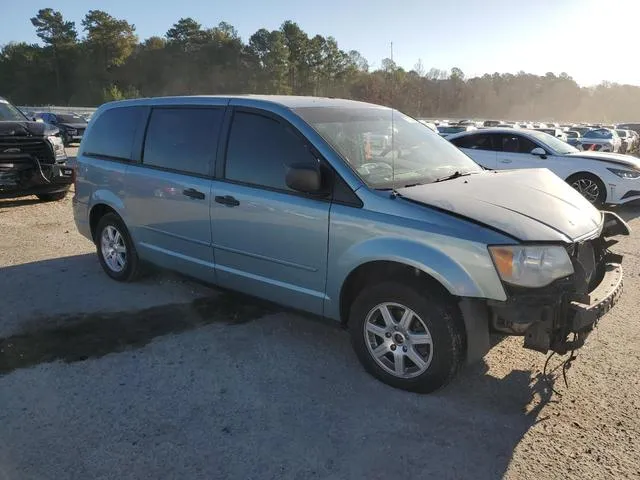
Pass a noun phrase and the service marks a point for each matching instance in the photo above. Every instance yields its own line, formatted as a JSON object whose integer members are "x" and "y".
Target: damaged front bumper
{"x": 560, "y": 317}
{"x": 22, "y": 177}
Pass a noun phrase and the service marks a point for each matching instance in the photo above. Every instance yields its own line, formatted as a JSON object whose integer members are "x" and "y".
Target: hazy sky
{"x": 592, "y": 40}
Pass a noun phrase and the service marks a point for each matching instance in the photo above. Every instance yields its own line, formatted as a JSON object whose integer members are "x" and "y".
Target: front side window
{"x": 516, "y": 144}
{"x": 183, "y": 139}
{"x": 113, "y": 132}
{"x": 386, "y": 148}
{"x": 260, "y": 149}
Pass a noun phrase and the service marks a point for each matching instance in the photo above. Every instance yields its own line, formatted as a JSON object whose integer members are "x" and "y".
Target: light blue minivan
{"x": 350, "y": 211}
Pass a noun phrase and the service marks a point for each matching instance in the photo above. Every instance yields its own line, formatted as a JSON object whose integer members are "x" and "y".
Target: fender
{"x": 462, "y": 267}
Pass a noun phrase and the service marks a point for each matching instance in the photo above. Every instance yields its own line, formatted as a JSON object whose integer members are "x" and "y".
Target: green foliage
{"x": 109, "y": 63}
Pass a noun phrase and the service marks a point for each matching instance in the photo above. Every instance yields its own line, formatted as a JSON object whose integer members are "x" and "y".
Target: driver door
{"x": 269, "y": 241}
{"x": 514, "y": 151}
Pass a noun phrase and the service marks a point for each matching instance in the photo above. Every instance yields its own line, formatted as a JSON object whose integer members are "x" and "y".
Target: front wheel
{"x": 590, "y": 187}
{"x": 407, "y": 338}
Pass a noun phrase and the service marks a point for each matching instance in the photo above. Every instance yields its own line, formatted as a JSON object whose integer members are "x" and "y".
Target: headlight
{"x": 624, "y": 173}
{"x": 58, "y": 147}
{"x": 531, "y": 266}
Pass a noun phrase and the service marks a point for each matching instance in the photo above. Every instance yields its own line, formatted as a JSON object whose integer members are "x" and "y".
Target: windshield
{"x": 11, "y": 113}
{"x": 70, "y": 118}
{"x": 598, "y": 134}
{"x": 621, "y": 133}
{"x": 553, "y": 142}
{"x": 414, "y": 154}
{"x": 572, "y": 134}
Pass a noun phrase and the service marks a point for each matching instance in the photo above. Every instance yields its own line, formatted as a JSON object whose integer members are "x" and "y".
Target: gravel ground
{"x": 170, "y": 379}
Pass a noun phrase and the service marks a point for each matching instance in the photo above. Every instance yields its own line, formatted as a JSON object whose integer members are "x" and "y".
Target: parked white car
{"x": 601, "y": 140}
{"x": 600, "y": 177}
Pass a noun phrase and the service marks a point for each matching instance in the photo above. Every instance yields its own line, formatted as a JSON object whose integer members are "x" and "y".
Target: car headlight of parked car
{"x": 58, "y": 147}
{"x": 624, "y": 173}
{"x": 531, "y": 266}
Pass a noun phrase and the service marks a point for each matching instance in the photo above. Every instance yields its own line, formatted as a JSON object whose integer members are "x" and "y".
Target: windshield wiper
{"x": 453, "y": 176}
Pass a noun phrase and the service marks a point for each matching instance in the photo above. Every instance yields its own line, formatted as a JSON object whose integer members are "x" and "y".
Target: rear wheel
{"x": 406, "y": 337}
{"x": 51, "y": 197}
{"x": 590, "y": 187}
{"x": 116, "y": 251}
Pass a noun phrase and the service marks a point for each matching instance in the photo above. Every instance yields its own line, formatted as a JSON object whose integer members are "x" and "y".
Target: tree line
{"x": 106, "y": 61}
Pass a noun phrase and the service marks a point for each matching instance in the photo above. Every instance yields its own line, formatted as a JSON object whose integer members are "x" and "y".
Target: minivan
{"x": 414, "y": 247}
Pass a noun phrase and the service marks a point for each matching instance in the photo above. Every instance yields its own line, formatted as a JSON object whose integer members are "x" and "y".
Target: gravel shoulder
{"x": 170, "y": 379}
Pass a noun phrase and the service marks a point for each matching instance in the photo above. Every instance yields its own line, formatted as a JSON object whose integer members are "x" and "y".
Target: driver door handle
{"x": 505, "y": 160}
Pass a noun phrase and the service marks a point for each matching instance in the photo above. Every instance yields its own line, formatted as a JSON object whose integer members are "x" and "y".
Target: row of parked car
{"x": 623, "y": 138}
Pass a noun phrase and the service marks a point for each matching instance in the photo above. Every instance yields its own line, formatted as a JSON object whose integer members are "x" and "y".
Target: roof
{"x": 287, "y": 101}
{"x": 508, "y": 131}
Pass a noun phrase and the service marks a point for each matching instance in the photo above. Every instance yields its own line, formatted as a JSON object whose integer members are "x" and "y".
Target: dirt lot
{"x": 170, "y": 379}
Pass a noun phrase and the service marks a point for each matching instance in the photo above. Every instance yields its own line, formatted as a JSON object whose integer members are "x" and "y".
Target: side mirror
{"x": 539, "y": 151}
{"x": 304, "y": 178}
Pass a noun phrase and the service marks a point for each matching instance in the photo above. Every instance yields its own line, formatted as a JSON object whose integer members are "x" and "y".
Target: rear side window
{"x": 183, "y": 139}
{"x": 260, "y": 149}
{"x": 113, "y": 133}
{"x": 474, "y": 142}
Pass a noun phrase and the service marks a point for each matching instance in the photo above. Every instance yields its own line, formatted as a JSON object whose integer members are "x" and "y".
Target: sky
{"x": 591, "y": 40}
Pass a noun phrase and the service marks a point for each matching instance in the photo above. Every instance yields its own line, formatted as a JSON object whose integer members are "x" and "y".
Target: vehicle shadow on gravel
{"x": 17, "y": 202}
{"x": 295, "y": 376}
{"x": 627, "y": 212}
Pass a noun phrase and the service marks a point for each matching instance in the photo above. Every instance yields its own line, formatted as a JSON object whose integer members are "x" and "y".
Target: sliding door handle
{"x": 227, "y": 200}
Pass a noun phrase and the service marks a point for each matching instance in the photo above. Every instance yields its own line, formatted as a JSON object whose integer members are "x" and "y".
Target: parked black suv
{"x": 32, "y": 157}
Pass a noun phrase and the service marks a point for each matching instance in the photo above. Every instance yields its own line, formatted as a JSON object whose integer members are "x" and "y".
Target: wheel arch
{"x": 473, "y": 311}
{"x": 102, "y": 202}
{"x": 592, "y": 174}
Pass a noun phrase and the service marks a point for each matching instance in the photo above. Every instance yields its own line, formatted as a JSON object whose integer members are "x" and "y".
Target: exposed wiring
{"x": 566, "y": 365}
{"x": 546, "y": 377}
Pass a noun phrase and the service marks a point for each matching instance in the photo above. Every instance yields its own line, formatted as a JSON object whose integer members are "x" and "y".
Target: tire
{"x": 111, "y": 236}
{"x": 434, "y": 317}
{"x": 585, "y": 183}
{"x": 52, "y": 197}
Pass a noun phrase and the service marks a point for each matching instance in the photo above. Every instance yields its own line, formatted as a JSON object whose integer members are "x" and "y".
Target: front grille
{"x": 17, "y": 147}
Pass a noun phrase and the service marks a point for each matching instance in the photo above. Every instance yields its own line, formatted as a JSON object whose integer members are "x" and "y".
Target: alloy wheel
{"x": 588, "y": 189}
{"x": 113, "y": 248}
{"x": 398, "y": 340}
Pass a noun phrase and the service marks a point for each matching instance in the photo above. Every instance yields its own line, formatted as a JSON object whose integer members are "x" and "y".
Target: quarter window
{"x": 260, "y": 149}
{"x": 113, "y": 133}
{"x": 183, "y": 139}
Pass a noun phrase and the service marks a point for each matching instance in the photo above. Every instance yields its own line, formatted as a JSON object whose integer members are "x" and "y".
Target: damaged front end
{"x": 560, "y": 316}
{"x": 31, "y": 164}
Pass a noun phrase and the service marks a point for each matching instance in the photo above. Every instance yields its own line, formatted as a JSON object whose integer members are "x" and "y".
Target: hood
{"x": 614, "y": 158}
{"x": 529, "y": 205}
{"x": 26, "y": 129}
{"x": 74, "y": 125}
